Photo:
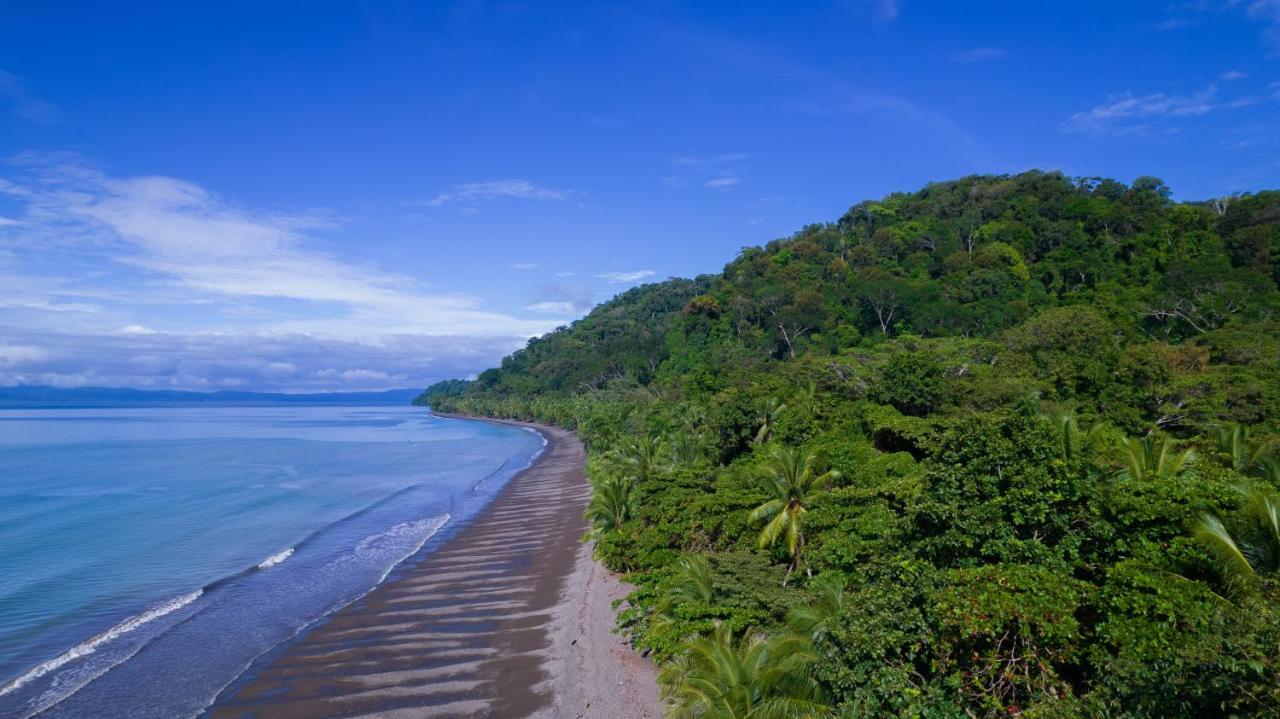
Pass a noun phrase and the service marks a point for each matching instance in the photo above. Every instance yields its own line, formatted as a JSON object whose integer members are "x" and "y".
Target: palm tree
{"x": 688, "y": 439}
{"x": 1151, "y": 459}
{"x": 691, "y": 584}
{"x": 1075, "y": 444}
{"x": 806, "y": 398}
{"x": 770, "y": 410}
{"x": 821, "y": 614}
{"x": 642, "y": 456}
{"x": 1253, "y": 550}
{"x": 1248, "y": 456}
{"x": 610, "y": 506}
{"x": 755, "y": 677}
{"x": 793, "y": 483}
{"x": 1028, "y": 405}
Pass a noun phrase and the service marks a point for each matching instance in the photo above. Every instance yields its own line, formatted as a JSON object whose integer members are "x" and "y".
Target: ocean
{"x": 149, "y": 555}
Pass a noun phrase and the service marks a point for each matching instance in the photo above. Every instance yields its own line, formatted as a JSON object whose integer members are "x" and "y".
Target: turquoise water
{"x": 147, "y": 556}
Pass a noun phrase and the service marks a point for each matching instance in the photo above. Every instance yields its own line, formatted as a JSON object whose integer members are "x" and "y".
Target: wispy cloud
{"x": 561, "y": 300}
{"x": 240, "y": 360}
{"x": 14, "y": 94}
{"x": 819, "y": 91}
{"x": 1253, "y": 137}
{"x": 1266, "y": 12}
{"x": 723, "y": 183}
{"x": 132, "y": 245}
{"x": 884, "y": 11}
{"x": 471, "y": 194}
{"x": 625, "y": 277}
{"x": 524, "y": 265}
{"x": 554, "y": 308}
{"x": 1192, "y": 12}
{"x": 1232, "y": 75}
{"x": 979, "y": 54}
{"x": 726, "y": 158}
{"x": 1176, "y": 22}
{"x": 1132, "y": 114}
{"x": 718, "y": 172}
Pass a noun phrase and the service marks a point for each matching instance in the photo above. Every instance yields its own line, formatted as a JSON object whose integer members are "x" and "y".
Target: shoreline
{"x": 508, "y": 617}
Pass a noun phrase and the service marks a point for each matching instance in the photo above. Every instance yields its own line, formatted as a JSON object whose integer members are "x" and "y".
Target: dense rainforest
{"x": 1005, "y": 446}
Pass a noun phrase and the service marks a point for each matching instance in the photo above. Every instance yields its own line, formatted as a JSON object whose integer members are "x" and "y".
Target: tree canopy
{"x": 1044, "y": 411}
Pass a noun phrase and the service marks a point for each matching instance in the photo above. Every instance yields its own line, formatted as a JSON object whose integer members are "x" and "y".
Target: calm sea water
{"x": 147, "y": 556}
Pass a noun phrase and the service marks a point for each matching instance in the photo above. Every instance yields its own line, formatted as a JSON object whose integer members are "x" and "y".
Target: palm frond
{"x": 774, "y": 529}
{"x": 751, "y": 677}
{"x": 1232, "y": 562}
{"x": 817, "y": 617}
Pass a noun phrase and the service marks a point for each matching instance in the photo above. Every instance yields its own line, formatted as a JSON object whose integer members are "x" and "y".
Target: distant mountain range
{"x": 39, "y": 397}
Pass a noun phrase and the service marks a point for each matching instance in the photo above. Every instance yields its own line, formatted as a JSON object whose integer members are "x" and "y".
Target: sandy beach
{"x": 510, "y": 617}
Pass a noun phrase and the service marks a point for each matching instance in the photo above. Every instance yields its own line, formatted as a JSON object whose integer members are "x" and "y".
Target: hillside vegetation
{"x": 1005, "y": 446}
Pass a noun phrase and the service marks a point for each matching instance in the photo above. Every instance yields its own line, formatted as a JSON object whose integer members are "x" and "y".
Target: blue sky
{"x": 324, "y": 195}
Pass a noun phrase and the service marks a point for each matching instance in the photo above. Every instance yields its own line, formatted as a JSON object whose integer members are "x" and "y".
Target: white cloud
{"x": 555, "y": 308}
{"x": 565, "y": 274}
{"x": 1189, "y": 13}
{"x": 5, "y": 221}
{"x": 16, "y": 355}
{"x": 1231, "y": 75}
{"x": 561, "y": 299}
{"x": 365, "y": 375}
{"x": 722, "y": 179}
{"x": 1129, "y": 114}
{"x": 246, "y": 360}
{"x": 1267, "y": 12}
{"x": 1172, "y": 23}
{"x": 524, "y": 265}
{"x": 137, "y": 330}
{"x": 621, "y": 277}
{"x": 979, "y": 54}
{"x": 160, "y": 240}
{"x": 473, "y": 193}
{"x": 279, "y": 370}
{"x": 727, "y": 158}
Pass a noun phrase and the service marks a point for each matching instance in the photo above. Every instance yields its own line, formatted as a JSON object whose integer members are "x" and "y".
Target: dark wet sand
{"x": 467, "y": 632}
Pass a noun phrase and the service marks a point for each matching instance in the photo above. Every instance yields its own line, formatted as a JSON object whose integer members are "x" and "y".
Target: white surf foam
{"x": 89, "y": 647}
{"x": 275, "y": 559}
{"x": 390, "y": 542}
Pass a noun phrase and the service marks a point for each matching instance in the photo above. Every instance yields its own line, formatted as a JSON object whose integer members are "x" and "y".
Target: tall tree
{"x": 610, "y": 506}
{"x": 1150, "y": 458}
{"x": 755, "y": 677}
{"x": 792, "y": 482}
{"x": 1249, "y": 550}
{"x": 767, "y": 414}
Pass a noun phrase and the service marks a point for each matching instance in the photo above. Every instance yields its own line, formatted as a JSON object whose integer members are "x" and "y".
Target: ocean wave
{"x": 541, "y": 436}
{"x": 404, "y": 530}
{"x": 89, "y": 647}
{"x": 417, "y": 532}
{"x": 275, "y": 559}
